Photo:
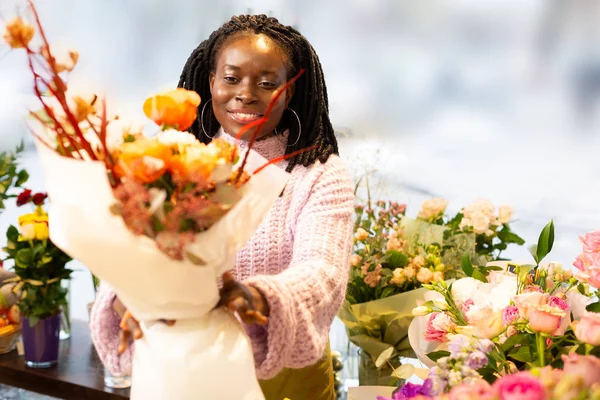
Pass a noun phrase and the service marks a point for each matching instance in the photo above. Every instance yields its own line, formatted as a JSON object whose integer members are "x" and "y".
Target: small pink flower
{"x": 438, "y": 326}
{"x": 476, "y": 390}
{"x": 557, "y": 302}
{"x": 534, "y": 289}
{"x": 545, "y": 319}
{"x": 588, "y": 367}
{"x": 373, "y": 277}
{"x": 509, "y": 315}
{"x": 587, "y": 329}
{"x": 588, "y": 265}
{"x": 466, "y": 306}
{"x": 519, "y": 386}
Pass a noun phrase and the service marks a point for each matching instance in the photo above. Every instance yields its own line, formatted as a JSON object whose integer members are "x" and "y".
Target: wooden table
{"x": 79, "y": 374}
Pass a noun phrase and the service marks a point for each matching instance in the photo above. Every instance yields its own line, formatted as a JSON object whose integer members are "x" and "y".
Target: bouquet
{"x": 394, "y": 256}
{"x": 159, "y": 219}
{"x": 509, "y": 317}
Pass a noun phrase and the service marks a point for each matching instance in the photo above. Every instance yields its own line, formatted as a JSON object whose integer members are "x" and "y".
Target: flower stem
{"x": 541, "y": 349}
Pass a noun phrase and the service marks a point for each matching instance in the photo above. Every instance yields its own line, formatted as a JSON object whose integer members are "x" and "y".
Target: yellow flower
{"x": 176, "y": 108}
{"x": 18, "y": 34}
{"x": 41, "y": 231}
{"x": 33, "y": 218}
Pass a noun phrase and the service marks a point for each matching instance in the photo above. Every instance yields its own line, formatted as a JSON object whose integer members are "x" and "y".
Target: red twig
{"x": 261, "y": 122}
{"x": 284, "y": 157}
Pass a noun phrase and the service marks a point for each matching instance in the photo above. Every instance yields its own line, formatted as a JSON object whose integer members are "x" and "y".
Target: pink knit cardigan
{"x": 298, "y": 258}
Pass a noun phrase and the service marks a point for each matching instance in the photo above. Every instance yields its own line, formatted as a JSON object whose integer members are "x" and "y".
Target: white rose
{"x": 172, "y": 137}
{"x": 505, "y": 213}
{"x": 480, "y": 206}
{"x": 577, "y": 302}
{"x": 486, "y": 321}
{"x": 432, "y": 208}
{"x": 398, "y": 277}
{"x": 464, "y": 289}
{"x": 481, "y": 223}
{"x": 424, "y": 275}
{"x": 443, "y": 322}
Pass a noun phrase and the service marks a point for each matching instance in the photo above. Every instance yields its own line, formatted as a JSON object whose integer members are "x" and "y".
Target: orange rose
{"x": 175, "y": 108}
{"x": 144, "y": 160}
{"x": 18, "y": 34}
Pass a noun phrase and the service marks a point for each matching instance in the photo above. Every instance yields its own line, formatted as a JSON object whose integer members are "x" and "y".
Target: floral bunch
{"x": 579, "y": 379}
{"x": 385, "y": 261}
{"x": 39, "y": 265}
{"x": 532, "y": 315}
{"x": 10, "y": 175}
{"x": 490, "y": 224}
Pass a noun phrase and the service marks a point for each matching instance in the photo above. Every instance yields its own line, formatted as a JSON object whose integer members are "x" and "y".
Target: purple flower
{"x": 477, "y": 359}
{"x": 410, "y": 390}
{"x": 458, "y": 343}
{"x": 485, "y": 346}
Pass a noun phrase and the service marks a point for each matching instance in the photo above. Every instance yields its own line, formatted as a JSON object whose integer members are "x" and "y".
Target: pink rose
{"x": 557, "y": 302}
{"x": 438, "y": 326}
{"x": 519, "y": 386}
{"x": 588, "y": 265}
{"x": 587, "y": 367}
{"x": 509, "y": 315}
{"x": 587, "y": 329}
{"x": 467, "y": 306}
{"x": 479, "y": 389}
{"x": 545, "y": 319}
{"x": 590, "y": 242}
{"x": 526, "y": 301}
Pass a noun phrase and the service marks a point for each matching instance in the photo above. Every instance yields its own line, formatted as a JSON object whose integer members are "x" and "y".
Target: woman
{"x": 293, "y": 271}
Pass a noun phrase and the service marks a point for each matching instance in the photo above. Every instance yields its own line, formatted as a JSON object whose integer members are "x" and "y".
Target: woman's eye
{"x": 268, "y": 84}
{"x": 230, "y": 79}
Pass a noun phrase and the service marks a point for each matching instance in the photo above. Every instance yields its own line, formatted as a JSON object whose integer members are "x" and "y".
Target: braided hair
{"x": 309, "y": 99}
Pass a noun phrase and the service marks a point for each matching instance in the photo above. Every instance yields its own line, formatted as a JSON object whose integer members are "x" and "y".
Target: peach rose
{"x": 175, "y": 108}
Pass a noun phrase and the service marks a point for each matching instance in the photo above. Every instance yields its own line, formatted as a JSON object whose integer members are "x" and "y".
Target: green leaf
{"x": 545, "y": 242}
{"x": 480, "y": 276}
{"x": 388, "y": 291}
{"x": 436, "y": 355}
{"x": 519, "y": 339}
{"x": 522, "y": 354}
{"x": 24, "y": 258}
{"x": 12, "y": 234}
{"x": 507, "y": 236}
{"x": 466, "y": 265}
{"x": 581, "y": 289}
{"x": 594, "y": 307}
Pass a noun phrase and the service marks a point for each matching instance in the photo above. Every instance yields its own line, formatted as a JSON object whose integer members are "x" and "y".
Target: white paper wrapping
{"x": 206, "y": 355}
{"x": 422, "y": 347}
{"x": 214, "y": 352}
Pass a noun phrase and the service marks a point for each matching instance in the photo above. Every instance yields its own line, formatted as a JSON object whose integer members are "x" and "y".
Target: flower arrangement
{"x": 508, "y": 317}
{"x": 39, "y": 265}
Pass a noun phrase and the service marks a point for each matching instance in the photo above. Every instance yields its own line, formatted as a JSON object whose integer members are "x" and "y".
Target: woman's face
{"x": 249, "y": 70}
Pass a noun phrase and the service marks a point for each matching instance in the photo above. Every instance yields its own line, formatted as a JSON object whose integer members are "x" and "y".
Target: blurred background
{"x": 462, "y": 100}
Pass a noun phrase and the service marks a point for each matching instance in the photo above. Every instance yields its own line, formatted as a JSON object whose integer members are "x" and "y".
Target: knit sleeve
{"x": 305, "y": 298}
{"x": 104, "y": 327}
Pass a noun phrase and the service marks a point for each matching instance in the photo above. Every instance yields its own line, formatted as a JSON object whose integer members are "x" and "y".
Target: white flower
{"x": 481, "y": 223}
{"x": 480, "y": 206}
{"x": 398, "y": 277}
{"x": 505, "y": 213}
{"x": 172, "y": 137}
{"x": 486, "y": 321}
{"x": 464, "y": 289}
{"x": 443, "y": 322}
{"x": 433, "y": 208}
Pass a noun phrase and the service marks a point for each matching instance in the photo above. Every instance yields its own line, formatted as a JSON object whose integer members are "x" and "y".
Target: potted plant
{"x": 40, "y": 267}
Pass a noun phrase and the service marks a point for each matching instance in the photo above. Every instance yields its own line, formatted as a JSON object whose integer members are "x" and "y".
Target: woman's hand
{"x": 130, "y": 327}
{"x": 247, "y": 301}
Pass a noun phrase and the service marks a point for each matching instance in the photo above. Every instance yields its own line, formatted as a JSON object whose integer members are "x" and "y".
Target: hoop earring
{"x": 202, "y": 120}
{"x": 299, "y": 128}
